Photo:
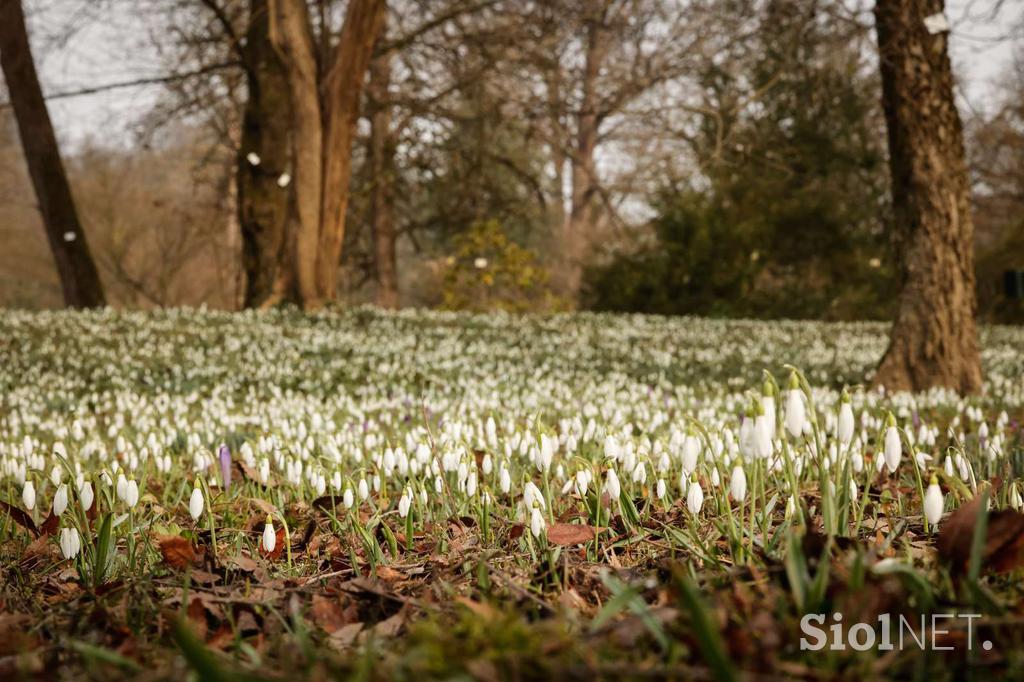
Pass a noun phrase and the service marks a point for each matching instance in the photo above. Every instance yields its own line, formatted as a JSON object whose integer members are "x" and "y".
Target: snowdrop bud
{"x": 796, "y": 414}
{"x": 660, "y": 489}
{"x": 691, "y": 449}
{"x": 853, "y": 489}
{"x": 85, "y": 493}
{"x": 195, "y": 504}
{"x": 28, "y": 495}
{"x": 1015, "y": 497}
{"x": 893, "y": 448}
{"x": 844, "y": 429}
{"x": 56, "y": 474}
{"x": 69, "y": 543}
{"x": 364, "y": 489}
{"x": 122, "y": 486}
{"x": 716, "y": 480}
{"x": 132, "y": 493}
{"x": 537, "y": 524}
{"x": 738, "y": 484}
{"x": 348, "y": 498}
{"x": 611, "y": 484}
{"x": 269, "y": 536}
{"x": 60, "y": 500}
{"x": 768, "y": 405}
{"x": 933, "y": 502}
{"x": 762, "y": 438}
{"x": 505, "y": 480}
{"x": 403, "y": 505}
{"x": 694, "y": 497}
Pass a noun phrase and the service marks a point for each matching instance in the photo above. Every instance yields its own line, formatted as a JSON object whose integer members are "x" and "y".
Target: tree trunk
{"x": 382, "y": 157}
{"x": 262, "y": 204}
{"x": 324, "y": 115}
{"x": 342, "y": 93}
{"x": 934, "y": 339}
{"x": 584, "y": 168}
{"x": 291, "y": 34}
{"x": 79, "y": 279}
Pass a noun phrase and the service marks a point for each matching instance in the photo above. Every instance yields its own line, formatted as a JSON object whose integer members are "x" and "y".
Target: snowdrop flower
{"x": 195, "y": 503}
{"x": 691, "y": 449}
{"x": 768, "y": 405}
{"x": 364, "y": 489}
{"x": 122, "y": 486}
{"x": 1015, "y": 497}
{"x": 60, "y": 500}
{"x": 253, "y": 158}
{"x": 70, "y": 543}
{"x": 86, "y": 495}
{"x": 532, "y": 496}
{"x": 611, "y": 484}
{"x": 660, "y": 489}
{"x": 56, "y": 474}
{"x": 348, "y": 498}
{"x": 537, "y": 524}
{"x": 738, "y": 484}
{"x": 796, "y": 414}
{"x": 131, "y": 495}
{"x": 762, "y": 437}
{"x": 893, "y": 448}
{"x": 694, "y": 497}
{"x": 403, "y": 505}
{"x": 269, "y": 536}
{"x": 845, "y": 426}
{"x": 933, "y": 502}
{"x": 716, "y": 480}
{"x": 28, "y": 495}
{"x": 505, "y": 480}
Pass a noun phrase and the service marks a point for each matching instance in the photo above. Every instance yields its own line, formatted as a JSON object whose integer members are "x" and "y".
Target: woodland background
{"x": 713, "y": 157}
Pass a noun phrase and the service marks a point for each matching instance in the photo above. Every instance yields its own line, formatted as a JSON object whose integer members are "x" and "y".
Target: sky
{"x": 80, "y": 44}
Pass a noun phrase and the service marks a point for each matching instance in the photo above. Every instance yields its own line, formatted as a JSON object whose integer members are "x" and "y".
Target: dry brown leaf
{"x": 20, "y": 517}
{"x": 570, "y": 533}
{"x": 344, "y": 637}
{"x": 328, "y": 614}
{"x": 177, "y": 552}
{"x": 1004, "y": 538}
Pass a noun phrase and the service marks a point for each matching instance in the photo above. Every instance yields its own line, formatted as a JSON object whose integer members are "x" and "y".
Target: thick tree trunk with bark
{"x": 325, "y": 108}
{"x": 342, "y": 92}
{"x": 263, "y": 205}
{"x": 934, "y": 339}
{"x": 382, "y": 157}
{"x": 79, "y": 278}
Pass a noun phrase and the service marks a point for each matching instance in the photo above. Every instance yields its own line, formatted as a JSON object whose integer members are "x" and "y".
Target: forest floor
{"x": 428, "y": 495}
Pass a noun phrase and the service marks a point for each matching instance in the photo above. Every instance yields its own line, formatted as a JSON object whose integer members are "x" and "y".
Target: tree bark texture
{"x": 263, "y": 205}
{"x": 382, "y": 158}
{"x": 325, "y": 102}
{"x": 79, "y": 279}
{"x": 934, "y": 339}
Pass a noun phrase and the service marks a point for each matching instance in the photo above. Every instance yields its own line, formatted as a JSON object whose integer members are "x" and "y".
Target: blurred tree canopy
{"x": 786, "y": 216}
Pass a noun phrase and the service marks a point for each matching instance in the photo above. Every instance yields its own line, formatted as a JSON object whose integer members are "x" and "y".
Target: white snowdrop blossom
{"x": 269, "y": 536}
{"x": 28, "y": 495}
{"x": 738, "y": 484}
{"x": 933, "y": 502}
{"x": 60, "y": 500}
{"x": 196, "y": 503}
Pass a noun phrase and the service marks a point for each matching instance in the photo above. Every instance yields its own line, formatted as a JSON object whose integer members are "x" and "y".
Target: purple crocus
{"x": 224, "y": 454}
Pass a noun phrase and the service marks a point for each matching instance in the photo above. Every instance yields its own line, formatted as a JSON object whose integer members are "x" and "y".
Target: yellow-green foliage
{"x": 489, "y": 271}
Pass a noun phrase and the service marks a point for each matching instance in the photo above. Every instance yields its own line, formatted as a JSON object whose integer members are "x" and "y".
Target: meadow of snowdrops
{"x": 390, "y": 495}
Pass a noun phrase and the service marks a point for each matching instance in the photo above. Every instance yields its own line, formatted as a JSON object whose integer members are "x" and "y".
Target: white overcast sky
{"x": 119, "y": 47}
